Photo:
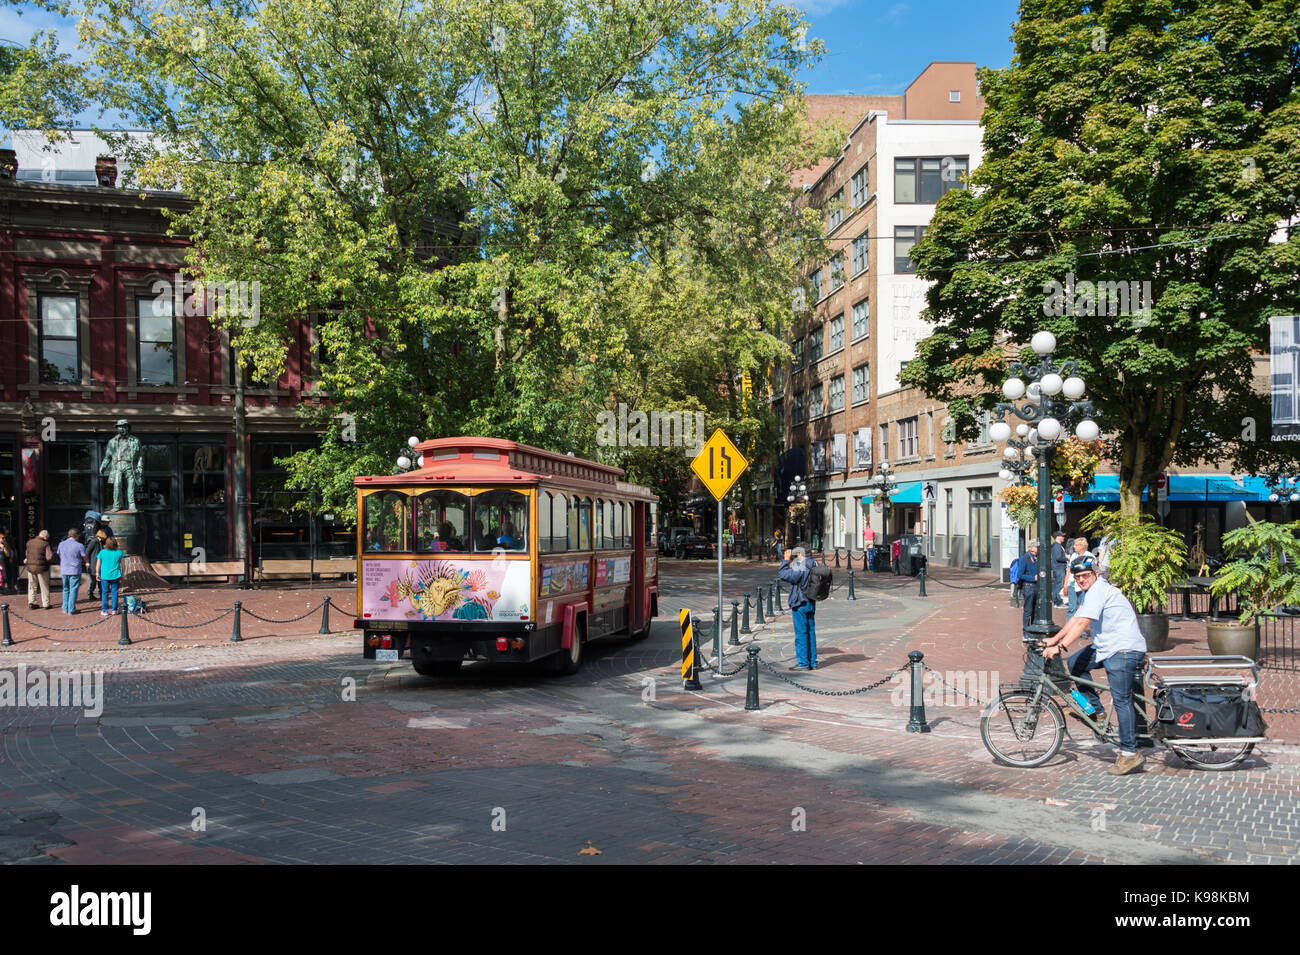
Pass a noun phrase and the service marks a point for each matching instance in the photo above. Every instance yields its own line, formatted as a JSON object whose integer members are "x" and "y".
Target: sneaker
{"x": 1125, "y": 765}
{"x": 103, "y": 613}
{"x": 799, "y": 666}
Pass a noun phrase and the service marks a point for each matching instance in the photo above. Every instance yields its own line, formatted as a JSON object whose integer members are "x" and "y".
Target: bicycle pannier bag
{"x": 1208, "y": 711}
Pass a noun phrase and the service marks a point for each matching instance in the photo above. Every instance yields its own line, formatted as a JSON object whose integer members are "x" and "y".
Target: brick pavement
{"x": 259, "y": 736}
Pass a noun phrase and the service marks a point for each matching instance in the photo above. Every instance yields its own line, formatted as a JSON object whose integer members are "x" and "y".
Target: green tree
{"x": 1141, "y": 142}
{"x": 455, "y": 190}
{"x": 40, "y": 88}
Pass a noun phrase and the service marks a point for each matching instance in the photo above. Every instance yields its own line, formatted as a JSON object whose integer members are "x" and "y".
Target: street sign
{"x": 1162, "y": 487}
{"x": 719, "y": 465}
{"x": 1058, "y": 503}
{"x": 930, "y": 491}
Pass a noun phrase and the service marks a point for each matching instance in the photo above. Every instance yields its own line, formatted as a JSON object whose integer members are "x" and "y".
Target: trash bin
{"x": 913, "y": 553}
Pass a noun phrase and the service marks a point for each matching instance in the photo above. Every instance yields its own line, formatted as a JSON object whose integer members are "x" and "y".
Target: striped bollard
{"x": 690, "y": 668}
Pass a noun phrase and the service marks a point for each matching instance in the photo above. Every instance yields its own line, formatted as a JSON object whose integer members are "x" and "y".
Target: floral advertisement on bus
{"x": 429, "y": 590}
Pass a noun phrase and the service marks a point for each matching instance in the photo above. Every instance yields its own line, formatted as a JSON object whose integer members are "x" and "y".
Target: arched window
{"x": 545, "y": 526}
{"x": 442, "y": 522}
{"x": 387, "y": 522}
{"x": 572, "y": 525}
{"x": 584, "y": 525}
{"x": 619, "y": 508}
{"x": 608, "y": 525}
{"x": 500, "y": 520}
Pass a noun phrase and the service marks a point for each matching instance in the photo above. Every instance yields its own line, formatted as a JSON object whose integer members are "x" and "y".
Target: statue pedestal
{"x": 130, "y": 530}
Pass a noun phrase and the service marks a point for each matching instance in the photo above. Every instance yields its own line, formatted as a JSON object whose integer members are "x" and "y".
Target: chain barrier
{"x": 145, "y": 618}
{"x": 705, "y": 664}
{"x": 812, "y": 689}
{"x": 936, "y": 580}
{"x": 1290, "y": 712}
{"x": 257, "y": 616}
{"x": 939, "y": 676}
{"x": 42, "y": 626}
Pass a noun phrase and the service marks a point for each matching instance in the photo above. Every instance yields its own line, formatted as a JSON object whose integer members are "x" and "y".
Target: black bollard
{"x": 325, "y": 616}
{"x": 237, "y": 637}
{"x": 917, "y": 723}
{"x": 744, "y": 623}
{"x": 922, "y": 576}
{"x": 758, "y": 604}
{"x": 735, "y": 623}
{"x": 898, "y": 564}
{"x": 771, "y": 589}
{"x": 125, "y": 639}
{"x": 837, "y": 558}
{"x": 852, "y": 595}
{"x": 751, "y": 680}
{"x": 8, "y": 639}
{"x": 779, "y": 608}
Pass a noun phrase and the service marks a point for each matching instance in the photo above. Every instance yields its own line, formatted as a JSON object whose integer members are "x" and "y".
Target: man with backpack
{"x": 809, "y": 582}
{"x": 1027, "y": 573}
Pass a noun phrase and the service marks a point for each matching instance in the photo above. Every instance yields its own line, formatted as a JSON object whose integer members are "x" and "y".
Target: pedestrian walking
{"x": 8, "y": 564}
{"x": 1060, "y": 564}
{"x": 1118, "y": 646}
{"x": 38, "y": 558}
{"x": 94, "y": 541}
{"x": 110, "y": 575}
{"x": 1028, "y": 575}
{"x": 794, "y": 570}
{"x": 72, "y": 558}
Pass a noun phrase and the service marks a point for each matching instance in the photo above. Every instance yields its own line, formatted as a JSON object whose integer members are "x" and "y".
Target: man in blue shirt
{"x": 1117, "y": 645}
{"x": 72, "y": 557}
{"x": 795, "y": 573}
{"x": 1028, "y": 572}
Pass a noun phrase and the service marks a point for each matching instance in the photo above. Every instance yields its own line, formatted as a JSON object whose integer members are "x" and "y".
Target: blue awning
{"x": 1104, "y": 489}
{"x": 909, "y": 493}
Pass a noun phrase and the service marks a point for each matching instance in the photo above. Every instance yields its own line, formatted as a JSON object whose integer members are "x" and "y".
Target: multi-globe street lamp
{"x": 404, "y": 463}
{"x": 1047, "y": 418}
{"x": 1286, "y": 490}
{"x": 798, "y": 495}
{"x": 885, "y": 485}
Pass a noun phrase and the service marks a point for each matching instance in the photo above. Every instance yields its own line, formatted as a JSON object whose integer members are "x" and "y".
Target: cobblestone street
{"x": 263, "y": 743}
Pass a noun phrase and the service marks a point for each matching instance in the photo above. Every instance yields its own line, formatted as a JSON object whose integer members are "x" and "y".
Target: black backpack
{"x": 818, "y": 585}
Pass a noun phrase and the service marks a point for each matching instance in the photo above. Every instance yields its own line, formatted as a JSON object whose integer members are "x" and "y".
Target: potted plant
{"x": 1145, "y": 561}
{"x": 1263, "y": 575}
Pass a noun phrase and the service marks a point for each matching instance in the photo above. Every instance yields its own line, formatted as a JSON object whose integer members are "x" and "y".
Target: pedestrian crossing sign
{"x": 719, "y": 465}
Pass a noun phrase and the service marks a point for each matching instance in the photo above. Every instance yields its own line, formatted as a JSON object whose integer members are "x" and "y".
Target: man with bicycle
{"x": 1117, "y": 645}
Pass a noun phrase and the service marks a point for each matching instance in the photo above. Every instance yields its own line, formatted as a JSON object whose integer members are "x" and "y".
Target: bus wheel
{"x": 642, "y": 633}
{"x": 568, "y": 662}
{"x": 437, "y": 667}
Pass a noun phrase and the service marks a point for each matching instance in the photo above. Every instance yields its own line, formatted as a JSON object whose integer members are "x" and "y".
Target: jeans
{"x": 71, "y": 586}
{"x": 805, "y": 634}
{"x": 1072, "y": 604}
{"x": 1124, "y": 674}
{"x": 1030, "y": 592}
{"x": 105, "y": 587}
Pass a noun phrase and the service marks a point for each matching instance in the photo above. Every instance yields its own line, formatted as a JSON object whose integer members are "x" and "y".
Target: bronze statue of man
{"x": 123, "y": 464}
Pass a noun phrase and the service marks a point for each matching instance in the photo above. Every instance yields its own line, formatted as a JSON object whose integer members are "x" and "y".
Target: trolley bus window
{"x": 651, "y": 523}
{"x": 584, "y": 525}
{"x": 621, "y": 538}
{"x": 501, "y": 519}
{"x": 441, "y": 522}
{"x": 573, "y": 525}
{"x": 388, "y": 519}
{"x": 552, "y": 511}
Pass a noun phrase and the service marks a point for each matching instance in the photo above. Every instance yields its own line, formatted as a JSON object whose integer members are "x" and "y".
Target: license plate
{"x": 386, "y": 656}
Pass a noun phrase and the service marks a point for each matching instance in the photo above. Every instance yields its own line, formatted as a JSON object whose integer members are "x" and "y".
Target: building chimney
{"x": 8, "y": 164}
{"x": 106, "y": 171}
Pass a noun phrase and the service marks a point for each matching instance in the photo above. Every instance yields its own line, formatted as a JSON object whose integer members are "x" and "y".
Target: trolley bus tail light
{"x": 517, "y": 643}
{"x": 373, "y": 640}
{"x": 503, "y": 644}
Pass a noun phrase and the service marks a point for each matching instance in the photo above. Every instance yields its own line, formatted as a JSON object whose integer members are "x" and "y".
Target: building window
{"x": 861, "y": 258}
{"x": 816, "y": 280}
{"x": 796, "y": 408}
{"x": 884, "y": 442}
{"x": 815, "y": 344}
{"x": 954, "y": 96}
{"x": 861, "y": 319}
{"x": 778, "y": 411}
{"x": 905, "y": 238}
{"x": 837, "y": 393}
{"x": 837, "y": 333}
{"x": 837, "y": 272}
{"x": 926, "y": 180}
{"x": 859, "y": 187}
{"x": 796, "y": 347}
{"x": 835, "y": 211}
{"x": 60, "y": 349}
{"x": 815, "y": 409}
{"x": 861, "y": 383}
{"x": 156, "y": 340}
{"x": 907, "y": 438}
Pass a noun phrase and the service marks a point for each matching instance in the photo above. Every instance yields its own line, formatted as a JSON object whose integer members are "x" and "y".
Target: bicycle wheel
{"x": 1212, "y": 757}
{"x": 1021, "y": 732}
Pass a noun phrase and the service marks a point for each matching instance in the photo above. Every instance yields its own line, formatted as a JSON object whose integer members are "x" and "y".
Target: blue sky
{"x": 872, "y": 46}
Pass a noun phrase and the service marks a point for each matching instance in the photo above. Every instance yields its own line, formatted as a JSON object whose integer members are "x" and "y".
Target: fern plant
{"x": 1266, "y": 570}
{"x": 1145, "y": 558}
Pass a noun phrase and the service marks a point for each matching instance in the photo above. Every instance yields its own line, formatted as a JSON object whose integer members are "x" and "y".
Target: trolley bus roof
{"x": 496, "y": 461}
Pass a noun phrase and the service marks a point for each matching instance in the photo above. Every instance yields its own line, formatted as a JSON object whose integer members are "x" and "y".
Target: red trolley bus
{"x": 500, "y": 551}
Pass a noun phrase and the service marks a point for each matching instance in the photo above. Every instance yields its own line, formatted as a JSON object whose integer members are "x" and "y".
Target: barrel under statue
{"x": 123, "y": 465}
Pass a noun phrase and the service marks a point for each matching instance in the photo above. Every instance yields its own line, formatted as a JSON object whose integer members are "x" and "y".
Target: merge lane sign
{"x": 719, "y": 465}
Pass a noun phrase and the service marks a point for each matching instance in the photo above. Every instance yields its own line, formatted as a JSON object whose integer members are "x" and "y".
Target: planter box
{"x": 1231, "y": 638}
{"x": 1155, "y": 630}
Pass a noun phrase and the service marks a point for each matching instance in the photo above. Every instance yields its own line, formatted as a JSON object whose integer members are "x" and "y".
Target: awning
{"x": 1104, "y": 489}
{"x": 909, "y": 493}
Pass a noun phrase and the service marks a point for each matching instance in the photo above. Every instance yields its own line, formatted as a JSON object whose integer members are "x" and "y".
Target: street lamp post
{"x": 798, "y": 495}
{"x": 1047, "y": 417}
{"x": 1286, "y": 490}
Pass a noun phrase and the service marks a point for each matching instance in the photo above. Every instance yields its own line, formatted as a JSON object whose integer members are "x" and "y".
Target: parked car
{"x": 670, "y": 538}
{"x": 693, "y": 545}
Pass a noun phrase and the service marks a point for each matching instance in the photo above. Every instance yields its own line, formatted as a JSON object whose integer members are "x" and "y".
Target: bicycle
{"x": 1011, "y": 725}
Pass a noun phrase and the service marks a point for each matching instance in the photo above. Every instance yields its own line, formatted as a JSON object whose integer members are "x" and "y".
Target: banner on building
{"x": 839, "y": 453}
{"x": 819, "y": 457}
{"x": 862, "y": 448}
{"x": 1284, "y": 376}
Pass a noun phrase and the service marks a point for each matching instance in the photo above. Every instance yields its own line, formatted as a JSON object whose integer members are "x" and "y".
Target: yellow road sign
{"x": 719, "y": 465}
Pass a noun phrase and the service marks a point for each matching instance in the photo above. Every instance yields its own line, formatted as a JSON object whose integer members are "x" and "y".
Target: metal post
{"x": 758, "y": 605}
{"x": 735, "y": 623}
{"x": 690, "y": 654}
{"x": 837, "y": 558}
{"x": 717, "y": 636}
{"x": 771, "y": 589}
{"x": 744, "y": 623}
{"x": 852, "y": 596}
{"x": 717, "y": 633}
{"x": 8, "y": 639}
{"x": 325, "y": 616}
{"x": 237, "y": 637}
{"x": 242, "y": 548}
{"x": 777, "y": 585}
{"x": 125, "y": 639}
{"x": 917, "y": 723}
{"x": 751, "y": 680}
{"x": 922, "y": 576}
